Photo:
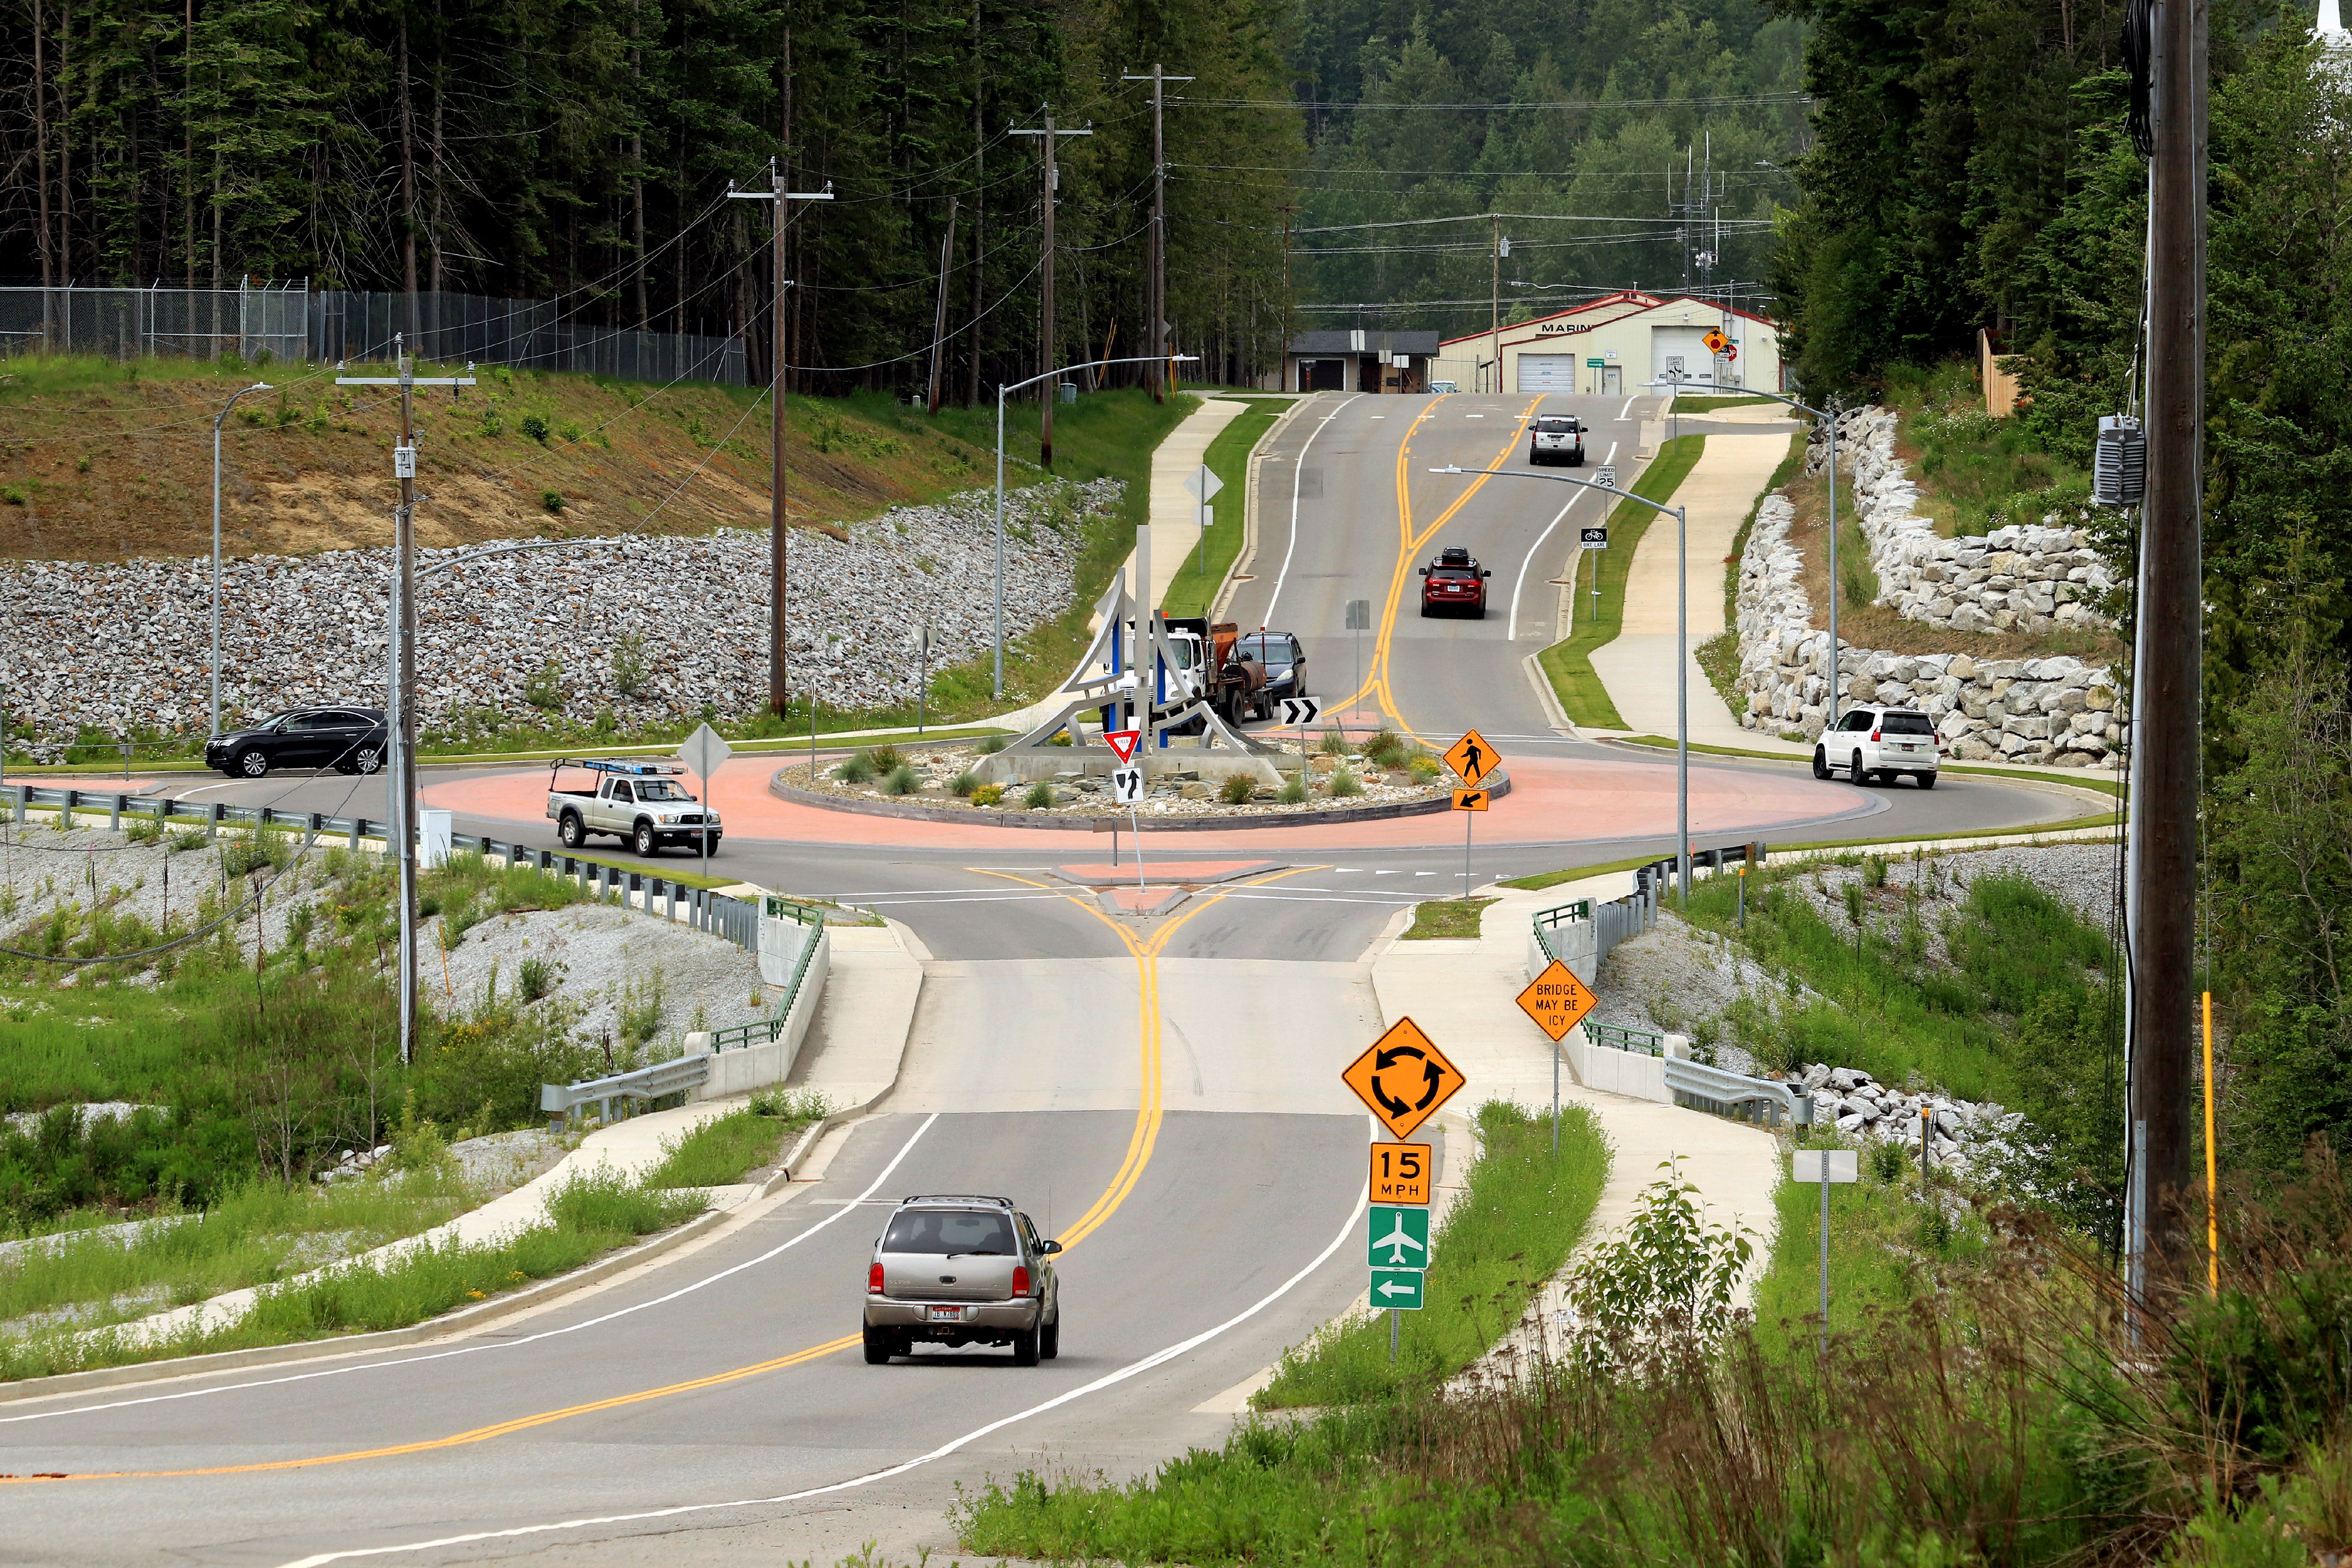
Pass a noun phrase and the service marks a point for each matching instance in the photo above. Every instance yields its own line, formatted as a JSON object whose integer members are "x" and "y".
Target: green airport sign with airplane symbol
{"x": 1399, "y": 1237}
{"x": 1397, "y": 1289}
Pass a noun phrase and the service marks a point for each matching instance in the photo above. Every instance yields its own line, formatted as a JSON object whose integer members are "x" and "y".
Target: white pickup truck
{"x": 639, "y": 802}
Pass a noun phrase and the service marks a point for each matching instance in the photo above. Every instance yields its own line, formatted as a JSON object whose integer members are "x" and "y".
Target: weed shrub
{"x": 901, "y": 780}
{"x": 1039, "y": 796}
{"x": 722, "y": 1149}
{"x": 1511, "y": 1229}
{"x": 857, "y": 769}
{"x": 1346, "y": 785}
{"x": 1292, "y": 793}
{"x": 1237, "y": 790}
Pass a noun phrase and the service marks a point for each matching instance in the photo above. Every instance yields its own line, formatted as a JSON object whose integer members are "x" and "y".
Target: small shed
{"x": 1358, "y": 358}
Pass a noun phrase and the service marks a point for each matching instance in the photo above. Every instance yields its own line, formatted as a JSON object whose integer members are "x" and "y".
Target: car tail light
{"x": 1021, "y": 1279}
{"x": 1874, "y": 737}
{"x": 873, "y": 1280}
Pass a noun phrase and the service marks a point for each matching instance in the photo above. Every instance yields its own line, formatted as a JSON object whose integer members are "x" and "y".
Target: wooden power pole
{"x": 1163, "y": 378}
{"x": 2168, "y": 662}
{"x": 779, "y": 550}
{"x": 1046, "y": 347}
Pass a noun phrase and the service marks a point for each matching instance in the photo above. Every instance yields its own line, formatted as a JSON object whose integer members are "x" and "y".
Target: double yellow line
{"x": 1139, "y": 1144}
{"x": 1410, "y": 544}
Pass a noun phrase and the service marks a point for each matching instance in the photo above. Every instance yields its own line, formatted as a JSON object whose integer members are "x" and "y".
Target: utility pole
{"x": 779, "y": 551}
{"x": 1286, "y": 212}
{"x": 1046, "y": 357}
{"x": 2168, "y": 662}
{"x": 400, "y": 674}
{"x": 1495, "y": 252}
{"x": 939, "y": 318}
{"x": 1164, "y": 380}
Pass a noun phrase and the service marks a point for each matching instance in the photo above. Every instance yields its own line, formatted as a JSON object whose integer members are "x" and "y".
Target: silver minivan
{"x": 955, "y": 1269}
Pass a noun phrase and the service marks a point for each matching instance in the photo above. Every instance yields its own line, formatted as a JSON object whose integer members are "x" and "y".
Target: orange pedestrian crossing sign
{"x": 1403, "y": 1079}
{"x": 1473, "y": 759}
{"x": 1557, "y": 1000}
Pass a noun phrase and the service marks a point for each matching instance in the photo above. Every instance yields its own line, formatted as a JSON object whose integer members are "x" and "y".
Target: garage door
{"x": 1681, "y": 350}
{"x": 1546, "y": 373}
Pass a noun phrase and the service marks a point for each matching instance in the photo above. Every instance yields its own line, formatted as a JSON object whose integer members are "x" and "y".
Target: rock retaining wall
{"x": 2057, "y": 710}
{"x": 123, "y": 647}
{"x": 2020, "y": 578}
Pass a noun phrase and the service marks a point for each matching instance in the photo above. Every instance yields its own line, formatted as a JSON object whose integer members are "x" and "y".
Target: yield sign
{"x": 1123, "y": 743}
{"x": 1557, "y": 1000}
{"x": 1403, "y": 1079}
{"x": 1472, "y": 757}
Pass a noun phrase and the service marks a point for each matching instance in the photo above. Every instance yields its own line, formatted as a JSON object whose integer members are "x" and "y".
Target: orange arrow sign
{"x": 1471, "y": 799}
{"x": 1403, "y": 1079}
{"x": 1557, "y": 1000}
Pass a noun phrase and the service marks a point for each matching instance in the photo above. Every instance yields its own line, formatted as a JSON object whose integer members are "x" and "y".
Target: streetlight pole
{"x": 1001, "y": 391}
{"x": 1830, "y": 420}
{"x": 1682, "y": 645}
{"x": 218, "y": 420}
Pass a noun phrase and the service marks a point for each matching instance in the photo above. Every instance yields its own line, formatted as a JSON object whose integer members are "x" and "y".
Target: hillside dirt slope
{"x": 102, "y": 461}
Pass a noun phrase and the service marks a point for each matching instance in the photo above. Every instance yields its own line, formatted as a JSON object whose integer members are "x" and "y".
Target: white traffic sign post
{"x": 1359, "y": 621}
{"x": 1824, "y": 1166}
{"x": 920, "y": 639}
{"x": 703, "y": 752}
{"x": 1203, "y": 484}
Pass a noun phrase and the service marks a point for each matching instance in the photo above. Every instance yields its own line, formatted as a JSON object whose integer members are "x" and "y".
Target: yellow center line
{"x": 1141, "y": 1144}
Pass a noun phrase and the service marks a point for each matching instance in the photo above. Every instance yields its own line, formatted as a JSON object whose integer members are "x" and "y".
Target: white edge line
{"x": 1132, "y": 1369}
{"x": 1297, "y": 478}
{"x": 500, "y": 1345}
{"x": 1522, "y": 582}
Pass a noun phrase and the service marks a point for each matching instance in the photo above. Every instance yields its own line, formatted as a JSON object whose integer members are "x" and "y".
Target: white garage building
{"x": 1613, "y": 345}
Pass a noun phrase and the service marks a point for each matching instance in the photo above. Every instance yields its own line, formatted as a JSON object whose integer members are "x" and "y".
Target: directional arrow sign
{"x": 1403, "y": 1079}
{"x": 1203, "y": 484}
{"x": 1301, "y": 709}
{"x": 1400, "y": 1238}
{"x": 1123, "y": 743}
{"x": 1557, "y": 1000}
{"x": 1397, "y": 1289}
{"x": 1127, "y": 785}
{"x": 1471, "y": 799}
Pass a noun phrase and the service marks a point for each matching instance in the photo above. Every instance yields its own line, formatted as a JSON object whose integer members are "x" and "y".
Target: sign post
{"x": 1203, "y": 484}
{"x": 1301, "y": 711}
{"x": 1825, "y": 1165}
{"x": 1558, "y": 1000}
{"x": 920, "y": 639}
{"x": 1473, "y": 759}
{"x": 703, "y": 752}
{"x": 1359, "y": 621}
{"x": 1403, "y": 1080}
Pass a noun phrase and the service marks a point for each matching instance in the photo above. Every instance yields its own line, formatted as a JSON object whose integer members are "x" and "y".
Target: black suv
{"x": 1284, "y": 661}
{"x": 348, "y": 740}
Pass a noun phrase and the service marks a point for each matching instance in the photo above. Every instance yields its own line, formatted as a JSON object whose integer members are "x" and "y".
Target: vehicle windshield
{"x": 1183, "y": 652}
{"x": 1452, "y": 572}
{"x": 980, "y": 1233}
{"x": 1907, "y": 724}
{"x": 1267, "y": 650}
{"x": 1556, "y": 426}
{"x": 276, "y": 720}
{"x": 660, "y": 789}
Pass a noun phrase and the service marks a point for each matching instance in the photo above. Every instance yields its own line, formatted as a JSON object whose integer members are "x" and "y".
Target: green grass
{"x": 260, "y": 1234}
{"x": 1542, "y": 880}
{"x": 1445, "y": 919}
{"x": 1568, "y": 664}
{"x": 1707, "y": 404}
{"x": 720, "y": 1150}
{"x": 589, "y": 1216}
{"x": 1195, "y": 587}
{"x": 1519, "y": 1213}
{"x": 2087, "y": 779}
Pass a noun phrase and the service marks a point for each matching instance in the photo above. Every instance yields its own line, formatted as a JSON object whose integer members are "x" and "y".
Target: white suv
{"x": 1878, "y": 744}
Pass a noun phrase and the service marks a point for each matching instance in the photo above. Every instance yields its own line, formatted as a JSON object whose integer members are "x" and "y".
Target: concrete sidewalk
{"x": 1638, "y": 668}
{"x": 851, "y": 1056}
{"x": 1175, "y": 529}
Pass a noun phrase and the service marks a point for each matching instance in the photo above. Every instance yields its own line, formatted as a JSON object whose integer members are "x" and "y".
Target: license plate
{"x": 947, "y": 1314}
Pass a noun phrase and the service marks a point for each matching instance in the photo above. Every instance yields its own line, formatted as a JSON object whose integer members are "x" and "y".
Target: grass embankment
{"x": 258, "y": 1239}
{"x": 1709, "y": 405}
{"x": 114, "y": 460}
{"x": 1568, "y": 664}
{"x": 1195, "y": 587}
{"x": 1445, "y": 920}
{"x": 1520, "y": 1211}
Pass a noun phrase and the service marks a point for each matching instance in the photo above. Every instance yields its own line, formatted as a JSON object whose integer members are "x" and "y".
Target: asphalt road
{"x": 1198, "y": 1152}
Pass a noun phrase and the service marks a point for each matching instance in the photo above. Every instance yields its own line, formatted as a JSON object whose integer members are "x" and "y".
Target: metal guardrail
{"x": 1718, "y": 1088}
{"x": 645, "y": 1083}
{"x": 720, "y": 914}
{"x": 1639, "y": 1042}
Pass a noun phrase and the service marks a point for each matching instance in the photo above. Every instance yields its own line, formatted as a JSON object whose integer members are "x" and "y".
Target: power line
{"x": 1572, "y": 103}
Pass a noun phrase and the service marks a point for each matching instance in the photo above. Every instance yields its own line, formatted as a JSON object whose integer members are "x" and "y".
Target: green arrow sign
{"x": 1400, "y": 1238}
{"x": 1397, "y": 1287}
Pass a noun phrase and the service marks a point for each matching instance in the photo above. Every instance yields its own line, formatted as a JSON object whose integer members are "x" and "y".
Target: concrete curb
{"x": 974, "y": 818}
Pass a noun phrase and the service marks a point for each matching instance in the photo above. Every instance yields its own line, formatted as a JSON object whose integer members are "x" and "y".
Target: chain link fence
{"x": 293, "y": 323}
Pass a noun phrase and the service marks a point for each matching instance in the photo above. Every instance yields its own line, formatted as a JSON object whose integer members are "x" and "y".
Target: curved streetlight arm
{"x": 218, "y": 420}
{"x": 997, "y": 685}
{"x": 1682, "y": 642}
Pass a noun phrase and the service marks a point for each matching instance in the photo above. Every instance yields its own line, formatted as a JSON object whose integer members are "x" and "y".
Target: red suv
{"x": 1456, "y": 582}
